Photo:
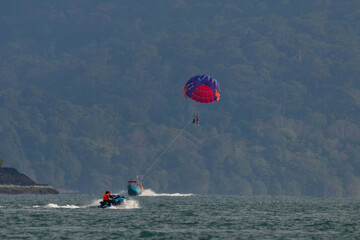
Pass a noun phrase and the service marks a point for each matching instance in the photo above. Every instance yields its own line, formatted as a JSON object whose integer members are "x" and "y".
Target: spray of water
{"x": 53, "y": 205}
{"x": 129, "y": 204}
{"x": 94, "y": 203}
{"x": 151, "y": 193}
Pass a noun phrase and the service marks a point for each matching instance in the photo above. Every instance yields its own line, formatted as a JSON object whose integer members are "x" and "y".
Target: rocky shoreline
{"x": 30, "y": 189}
{"x": 13, "y": 182}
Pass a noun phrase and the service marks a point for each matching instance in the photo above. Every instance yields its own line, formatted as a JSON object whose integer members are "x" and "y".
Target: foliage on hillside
{"x": 91, "y": 93}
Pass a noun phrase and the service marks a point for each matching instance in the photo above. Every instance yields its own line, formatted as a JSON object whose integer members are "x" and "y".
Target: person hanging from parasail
{"x": 203, "y": 89}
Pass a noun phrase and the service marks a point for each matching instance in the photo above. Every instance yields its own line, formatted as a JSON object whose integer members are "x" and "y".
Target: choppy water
{"x": 178, "y": 216}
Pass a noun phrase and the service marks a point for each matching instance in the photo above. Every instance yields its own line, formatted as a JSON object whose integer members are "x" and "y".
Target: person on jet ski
{"x": 108, "y": 198}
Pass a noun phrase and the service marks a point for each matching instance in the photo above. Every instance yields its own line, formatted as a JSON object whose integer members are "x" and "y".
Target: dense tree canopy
{"x": 91, "y": 93}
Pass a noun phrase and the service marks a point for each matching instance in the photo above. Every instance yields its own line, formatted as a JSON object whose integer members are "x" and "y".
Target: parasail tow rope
{"x": 163, "y": 152}
{"x": 171, "y": 143}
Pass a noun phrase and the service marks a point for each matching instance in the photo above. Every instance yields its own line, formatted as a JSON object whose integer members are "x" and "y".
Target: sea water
{"x": 178, "y": 216}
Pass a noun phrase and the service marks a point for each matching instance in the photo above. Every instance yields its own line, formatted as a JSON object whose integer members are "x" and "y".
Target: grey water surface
{"x": 73, "y": 216}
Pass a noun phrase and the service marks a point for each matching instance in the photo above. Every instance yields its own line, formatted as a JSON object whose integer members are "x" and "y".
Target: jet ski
{"x": 117, "y": 201}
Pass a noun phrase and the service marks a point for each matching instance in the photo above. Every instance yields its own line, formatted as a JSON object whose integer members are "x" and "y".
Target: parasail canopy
{"x": 202, "y": 88}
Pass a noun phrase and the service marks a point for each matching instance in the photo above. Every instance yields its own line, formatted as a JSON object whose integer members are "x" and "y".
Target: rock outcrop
{"x": 13, "y": 182}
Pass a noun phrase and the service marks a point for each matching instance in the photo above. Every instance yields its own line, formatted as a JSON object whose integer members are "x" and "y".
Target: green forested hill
{"x": 91, "y": 93}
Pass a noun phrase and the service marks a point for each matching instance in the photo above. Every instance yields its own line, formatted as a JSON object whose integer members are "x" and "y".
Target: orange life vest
{"x": 106, "y": 197}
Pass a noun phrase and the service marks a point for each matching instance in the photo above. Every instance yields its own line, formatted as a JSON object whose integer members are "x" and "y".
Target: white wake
{"x": 53, "y": 205}
{"x": 151, "y": 193}
{"x": 129, "y": 204}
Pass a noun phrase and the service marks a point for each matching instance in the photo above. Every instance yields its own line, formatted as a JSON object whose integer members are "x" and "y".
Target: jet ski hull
{"x": 117, "y": 201}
